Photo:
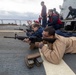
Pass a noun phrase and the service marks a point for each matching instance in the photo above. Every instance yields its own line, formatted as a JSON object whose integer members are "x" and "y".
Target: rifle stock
{"x": 49, "y": 40}
{"x": 36, "y": 39}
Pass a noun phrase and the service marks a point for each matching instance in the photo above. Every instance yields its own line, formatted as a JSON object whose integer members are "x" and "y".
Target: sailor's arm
{"x": 54, "y": 56}
{"x": 68, "y": 15}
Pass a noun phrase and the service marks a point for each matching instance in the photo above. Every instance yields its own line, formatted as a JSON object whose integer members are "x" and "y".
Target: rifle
{"x": 45, "y": 40}
{"x": 17, "y": 37}
{"x": 49, "y": 40}
{"x": 29, "y": 30}
{"x": 33, "y": 39}
{"x": 39, "y": 39}
{"x": 19, "y": 29}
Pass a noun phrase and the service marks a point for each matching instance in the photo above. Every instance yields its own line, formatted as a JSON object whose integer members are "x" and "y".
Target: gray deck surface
{"x": 12, "y": 54}
{"x": 70, "y": 60}
{"x": 11, "y": 27}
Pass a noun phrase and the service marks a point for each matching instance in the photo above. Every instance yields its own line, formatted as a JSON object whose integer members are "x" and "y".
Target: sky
{"x": 24, "y": 6}
{"x": 25, "y": 9}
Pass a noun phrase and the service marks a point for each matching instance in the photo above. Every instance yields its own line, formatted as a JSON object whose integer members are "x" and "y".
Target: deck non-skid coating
{"x": 70, "y": 60}
{"x": 12, "y": 54}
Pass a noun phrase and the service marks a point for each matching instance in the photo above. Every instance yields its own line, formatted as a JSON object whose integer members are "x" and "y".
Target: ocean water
{"x": 18, "y": 22}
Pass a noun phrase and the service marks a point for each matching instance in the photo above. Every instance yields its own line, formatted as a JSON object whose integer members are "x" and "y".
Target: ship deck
{"x": 13, "y": 53}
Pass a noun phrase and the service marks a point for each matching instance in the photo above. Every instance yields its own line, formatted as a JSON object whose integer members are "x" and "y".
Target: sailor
{"x": 55, "y": 12}
{"x": 53, "y": 20}
{"x": 43, "y": 14}
{"x": 54, "y": 52}
{"x": 72, "y": 12}
{"x": 37, "y": 33}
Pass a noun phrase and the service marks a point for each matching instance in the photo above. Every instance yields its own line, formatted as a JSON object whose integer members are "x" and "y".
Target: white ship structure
{"x": 64, "y": 8}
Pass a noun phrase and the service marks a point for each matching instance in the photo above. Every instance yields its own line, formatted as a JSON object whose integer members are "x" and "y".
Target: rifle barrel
{"x": 17, "y": 37}
{"x": 8, "y": 37}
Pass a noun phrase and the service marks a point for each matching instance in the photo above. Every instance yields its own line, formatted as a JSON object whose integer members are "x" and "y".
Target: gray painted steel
{"x": 12, "y": 54}
{"x": 70, "y": 60}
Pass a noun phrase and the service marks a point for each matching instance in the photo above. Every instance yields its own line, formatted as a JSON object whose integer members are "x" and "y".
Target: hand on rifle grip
{"x": 41, "y": 44}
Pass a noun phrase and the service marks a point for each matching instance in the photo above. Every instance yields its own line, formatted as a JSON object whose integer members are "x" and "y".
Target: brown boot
{"x": 29, "y": 59}
{"x": 33, "y": 56}
{"x": 38, "y": 61}
{"x": 29, "y": 63}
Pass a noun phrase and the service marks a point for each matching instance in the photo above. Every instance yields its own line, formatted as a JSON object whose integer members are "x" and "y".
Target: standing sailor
{"x": 43, "y": 14}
